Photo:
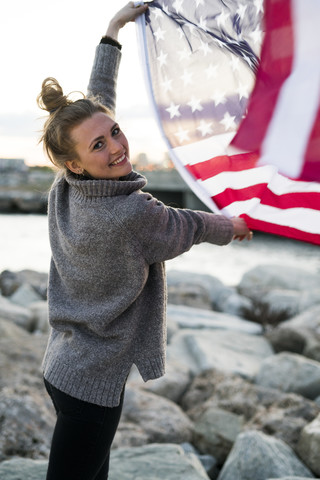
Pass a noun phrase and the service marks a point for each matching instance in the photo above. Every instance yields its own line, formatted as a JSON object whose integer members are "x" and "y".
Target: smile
{"x": 120, "y": 160}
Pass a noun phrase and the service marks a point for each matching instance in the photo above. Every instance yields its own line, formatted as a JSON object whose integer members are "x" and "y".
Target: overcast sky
{"x": 40, "y": 39}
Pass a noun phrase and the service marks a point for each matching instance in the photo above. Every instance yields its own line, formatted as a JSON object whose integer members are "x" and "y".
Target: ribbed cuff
{"x": 110, "y": 41}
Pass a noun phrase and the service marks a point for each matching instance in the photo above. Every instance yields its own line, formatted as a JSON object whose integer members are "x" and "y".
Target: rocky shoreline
{"x": 240, "y": 399}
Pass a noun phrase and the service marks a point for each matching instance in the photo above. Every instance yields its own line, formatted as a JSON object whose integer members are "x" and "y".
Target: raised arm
{"x": 104, "y": 73}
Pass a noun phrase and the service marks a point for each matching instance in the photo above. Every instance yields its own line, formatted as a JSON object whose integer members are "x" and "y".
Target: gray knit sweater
{"x": 107, "y": 287}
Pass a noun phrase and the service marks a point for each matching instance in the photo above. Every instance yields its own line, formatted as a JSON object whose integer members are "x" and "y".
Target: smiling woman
{"x": 102, "y": 149}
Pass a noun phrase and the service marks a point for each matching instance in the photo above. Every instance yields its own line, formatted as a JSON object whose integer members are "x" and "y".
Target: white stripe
{"x": 238, "y": 180}
{"x": 204, "y": 149}
{"x": 267, "y": 174}
{"x": 303, "y": 219}
{"x": 296, "y": 109}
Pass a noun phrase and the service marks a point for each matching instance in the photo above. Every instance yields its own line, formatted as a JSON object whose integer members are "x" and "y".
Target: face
{"x": 102, "y": 148}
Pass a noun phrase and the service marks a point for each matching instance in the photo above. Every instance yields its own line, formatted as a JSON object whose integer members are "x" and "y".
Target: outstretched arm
{"x": 104, "y": 73}
{"x": 127, "y": 14}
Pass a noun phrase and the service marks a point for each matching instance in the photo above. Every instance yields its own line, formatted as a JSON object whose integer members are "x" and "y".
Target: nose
{"x": 115, "y": 146}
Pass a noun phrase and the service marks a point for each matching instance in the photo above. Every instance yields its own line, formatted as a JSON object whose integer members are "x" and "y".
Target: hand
{"x": 127, "y": 14}
{"x": 240, "y": 229}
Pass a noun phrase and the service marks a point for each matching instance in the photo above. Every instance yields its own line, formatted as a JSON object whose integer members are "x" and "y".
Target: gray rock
{"x": 188, "y": 317}
{"x": 39, "y": 312}
{"x": 15, "y": 313}
{"x": 204, "y": 291}
{"x": 264, "y": 278}
{"x": 155, "y": 462}
{"x": 280, "y": 414}
{"x": 160, "y": 420}
{"x": 290, "y": 478}
{"x": 254, "y": 452}
{"x": 11, "y": 281}
{"x": 301, "y": 334}
{"x": 290, "y": 372}
{"x": 215, "y": 431}
{"x": 26, "y": 424}
{"x": 309, "y": 445}
{"x": 25, "y": 295}
{"x": 20, "y": 357}
{"x": 228, "y": 351}
{"x": 172, "y": 385}
{"x": 23, "y": 469}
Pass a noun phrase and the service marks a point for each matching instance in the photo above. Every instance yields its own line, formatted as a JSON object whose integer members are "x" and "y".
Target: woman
{"x": 107, "y": 289}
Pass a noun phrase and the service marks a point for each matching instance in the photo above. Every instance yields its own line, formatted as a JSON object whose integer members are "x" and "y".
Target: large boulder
{"x": 228, "y": 351}
{"x": 21, "y": 316}
{"x": 309, "y": 445}
{"x": 11, "y": 281}
{"x": 20, "y": 357}
{"x": 155, "y": 462}
{"x": 26, "y": 425}
{"x": 256, "y": 455}
{"x": 188, "y": 317}
{"x": 215, "y": 432}
{"x": 149, "y": 418}
{"x": 23, "y": 469}
{"x": 290, "y": 372}
{"x": 204, "y": 291}
{"x": 300, "y": 334}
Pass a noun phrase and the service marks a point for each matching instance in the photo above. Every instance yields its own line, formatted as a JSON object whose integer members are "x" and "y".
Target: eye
{"x": 98, "y": 145}
{"x": 116, "y": 131}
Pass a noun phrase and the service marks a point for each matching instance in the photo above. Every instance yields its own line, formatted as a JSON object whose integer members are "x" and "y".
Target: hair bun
{"x": 51, "y": 96}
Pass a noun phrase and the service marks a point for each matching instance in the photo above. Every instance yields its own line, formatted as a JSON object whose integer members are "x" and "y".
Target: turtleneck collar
{"x": 106, "y": 188}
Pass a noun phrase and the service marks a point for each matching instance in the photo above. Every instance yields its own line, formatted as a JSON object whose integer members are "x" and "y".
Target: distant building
{"x": 13, "y": 165}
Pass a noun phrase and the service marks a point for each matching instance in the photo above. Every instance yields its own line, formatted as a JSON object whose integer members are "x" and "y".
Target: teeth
{"x": 119, "y": 160}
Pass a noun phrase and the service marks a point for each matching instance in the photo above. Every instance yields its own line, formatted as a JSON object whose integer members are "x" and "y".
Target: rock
{"x": 309, "y": 445}
{"x": 25, "y": 295}
{"x": 254, "y": 452}
{"x": 160, "y": 420}
{"x": 301, "y": 334}
{"x": 228, "y": 351}
{"x": 215, "y": 431}
{"x": 20, "y": 357}
{"x": 155, "y": 462}
{"x": 23, "y": 469}
{"x": 21, "y": 316}
{"x": 26, "y": 424}
{"x": 39, "y": 312}
{"x": 11, "y": 281}
{"x": 285, "y": 418}
{"x": 264, "y": 278}
{"x": 290, "y": 372}
{"x": 188, "y": 317}
{"x": 209, "y": 284}
{"x": 276, "y": 413}
{"x": 204, "y": 291}
{"x": 172, "y": 385}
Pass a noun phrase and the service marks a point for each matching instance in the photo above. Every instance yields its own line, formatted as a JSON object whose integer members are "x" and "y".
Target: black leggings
{"x": 82, "y": 438}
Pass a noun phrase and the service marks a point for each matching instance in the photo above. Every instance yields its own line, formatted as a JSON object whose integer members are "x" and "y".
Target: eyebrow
{"x": 101, "y": 137}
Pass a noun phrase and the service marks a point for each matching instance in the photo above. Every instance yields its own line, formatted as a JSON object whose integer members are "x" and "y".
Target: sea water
{"x": 24, "y": 244}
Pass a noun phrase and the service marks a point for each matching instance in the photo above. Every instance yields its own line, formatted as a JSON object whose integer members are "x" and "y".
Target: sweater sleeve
{"x": 166, "y": 232}
{"x": 104, "y": 75}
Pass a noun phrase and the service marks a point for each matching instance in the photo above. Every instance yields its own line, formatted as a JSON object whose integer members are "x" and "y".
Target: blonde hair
{"x": 65, "y": 114}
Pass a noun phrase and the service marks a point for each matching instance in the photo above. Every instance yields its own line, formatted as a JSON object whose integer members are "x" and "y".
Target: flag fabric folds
{"x": 236, "y": 90}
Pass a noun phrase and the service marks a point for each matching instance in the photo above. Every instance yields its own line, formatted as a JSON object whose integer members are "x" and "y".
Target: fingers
{"x": 247, "y": 236}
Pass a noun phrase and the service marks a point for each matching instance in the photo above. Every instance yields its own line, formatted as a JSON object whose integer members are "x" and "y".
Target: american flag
{"x": 236, "y": 89}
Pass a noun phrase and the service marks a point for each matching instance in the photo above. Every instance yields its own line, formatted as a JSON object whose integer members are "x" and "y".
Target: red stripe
{"x": 275, "y": 67}
{"x": 223, "y": 163}
{"x": 309, "y": 200}
{"x": 289, "y": 232}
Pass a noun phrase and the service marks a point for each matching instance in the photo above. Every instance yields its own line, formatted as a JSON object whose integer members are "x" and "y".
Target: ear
{"x": 74, "y": 166}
